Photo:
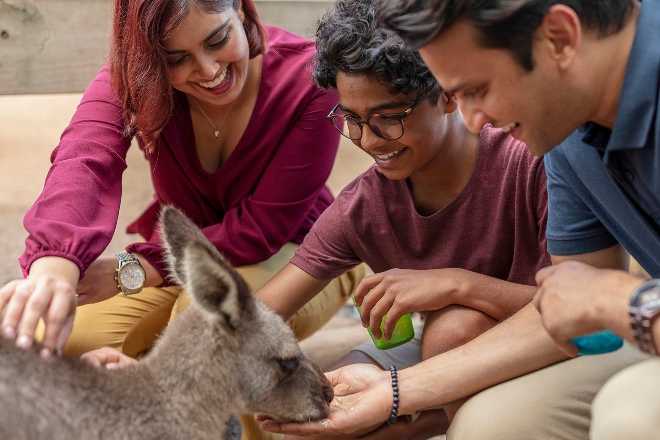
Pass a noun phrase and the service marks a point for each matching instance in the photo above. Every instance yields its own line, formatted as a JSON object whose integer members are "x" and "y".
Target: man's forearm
{"x": 512, "y": 348}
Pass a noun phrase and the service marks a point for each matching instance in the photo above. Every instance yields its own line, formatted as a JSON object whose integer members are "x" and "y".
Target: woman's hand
{"x": 99, "y": 281}
{"x": 49, "y": 293}
{"x": 362, "y": 403}
{"x": 108, "y": 357}
{"x": 399, "y": 291}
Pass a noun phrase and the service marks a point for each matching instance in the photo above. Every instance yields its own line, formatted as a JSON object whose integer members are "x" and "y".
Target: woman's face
{"x": 208, "y": 56}
{"x": 361, "y": 96}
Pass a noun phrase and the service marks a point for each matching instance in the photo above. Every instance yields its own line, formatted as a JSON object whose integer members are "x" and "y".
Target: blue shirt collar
{"x": 636, "y": 110}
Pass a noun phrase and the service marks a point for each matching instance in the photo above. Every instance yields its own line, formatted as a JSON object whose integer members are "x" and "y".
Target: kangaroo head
{"x": 267, "y": 373}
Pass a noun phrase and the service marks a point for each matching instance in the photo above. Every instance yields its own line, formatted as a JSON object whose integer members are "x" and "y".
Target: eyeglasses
{"x": 387, "y": 126}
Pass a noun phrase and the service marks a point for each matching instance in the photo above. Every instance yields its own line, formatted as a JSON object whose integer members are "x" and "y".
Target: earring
{"x": 241, "y": 16}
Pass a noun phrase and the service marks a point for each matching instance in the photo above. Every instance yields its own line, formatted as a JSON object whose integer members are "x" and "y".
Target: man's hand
{"x": 576, "y": 299}
{"x": 362, "y": 403}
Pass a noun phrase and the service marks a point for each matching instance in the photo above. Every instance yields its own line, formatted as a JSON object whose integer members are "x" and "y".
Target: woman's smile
{"x": 221, "y": 84}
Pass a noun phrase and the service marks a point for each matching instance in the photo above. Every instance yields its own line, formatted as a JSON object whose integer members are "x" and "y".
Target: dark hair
{"x": 138, "y": 65}
{"x": 349, "y": 39}
{"x": 501, "y": 24}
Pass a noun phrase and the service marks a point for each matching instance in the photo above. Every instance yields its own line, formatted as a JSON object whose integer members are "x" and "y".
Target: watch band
{"x": 642, "y": 328}
{"x": 641, "y": 320}
{"x": 125, "y": 258}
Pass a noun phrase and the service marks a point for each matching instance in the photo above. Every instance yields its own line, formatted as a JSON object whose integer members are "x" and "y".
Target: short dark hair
{"x": 349, "y": 39}
{"x": 501, "y": 24}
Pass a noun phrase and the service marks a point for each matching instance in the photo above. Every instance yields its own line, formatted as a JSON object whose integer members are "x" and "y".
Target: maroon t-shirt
{"x": 495, "y": 226}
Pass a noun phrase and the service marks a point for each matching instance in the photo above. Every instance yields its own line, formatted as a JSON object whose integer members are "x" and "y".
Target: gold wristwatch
{"x": 130, "y": 276}
{"x": 643, "y": 311}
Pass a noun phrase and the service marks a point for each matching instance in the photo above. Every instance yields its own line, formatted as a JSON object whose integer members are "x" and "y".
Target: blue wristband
{"x": 596, "y": 343}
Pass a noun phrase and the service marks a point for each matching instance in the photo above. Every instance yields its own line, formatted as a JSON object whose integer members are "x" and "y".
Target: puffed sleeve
{"x": 76, "y": 213}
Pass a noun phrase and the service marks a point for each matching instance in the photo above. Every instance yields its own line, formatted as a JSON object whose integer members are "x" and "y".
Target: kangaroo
{"x": 226, "y": 353}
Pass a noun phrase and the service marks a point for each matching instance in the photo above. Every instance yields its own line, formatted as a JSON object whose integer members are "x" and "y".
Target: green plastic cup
{"x": 403, "y": 332}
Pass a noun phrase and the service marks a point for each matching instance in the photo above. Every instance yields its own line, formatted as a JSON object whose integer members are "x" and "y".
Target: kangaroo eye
{"x": 290, "y": 366}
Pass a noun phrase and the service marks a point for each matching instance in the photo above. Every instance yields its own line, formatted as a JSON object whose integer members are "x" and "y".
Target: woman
{"x": 235, "y": 135}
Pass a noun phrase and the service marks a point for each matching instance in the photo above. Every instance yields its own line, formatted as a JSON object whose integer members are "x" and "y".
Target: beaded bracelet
{"x": 395, "y": 401}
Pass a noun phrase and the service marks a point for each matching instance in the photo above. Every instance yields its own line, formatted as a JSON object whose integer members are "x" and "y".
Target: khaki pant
{"x": 132, "y": 323}
{"x": 554, "y": 403}
{"x": 628, "y": 406}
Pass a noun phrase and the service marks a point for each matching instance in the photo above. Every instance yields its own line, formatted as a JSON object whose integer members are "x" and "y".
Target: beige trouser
{"x": 628, "y": 406}
{"x": 554, "y": 403}
{"x": 132, "y": 323}
{"x": 551, "y": 403}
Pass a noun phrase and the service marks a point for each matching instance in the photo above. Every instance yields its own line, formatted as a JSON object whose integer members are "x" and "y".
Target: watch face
{"x": 650, "y": 300}
{"x": 648, "y": 297}
{"x": 131, "y": 276}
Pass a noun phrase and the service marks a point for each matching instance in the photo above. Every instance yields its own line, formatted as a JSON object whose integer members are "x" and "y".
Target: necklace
{"x": 216, "y": 130}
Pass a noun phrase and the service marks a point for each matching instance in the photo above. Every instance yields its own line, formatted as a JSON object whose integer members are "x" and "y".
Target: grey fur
{"x": 227, "y": 353}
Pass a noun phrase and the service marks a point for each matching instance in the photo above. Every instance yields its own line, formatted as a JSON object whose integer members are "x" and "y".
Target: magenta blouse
{"x": 268, "y": 192}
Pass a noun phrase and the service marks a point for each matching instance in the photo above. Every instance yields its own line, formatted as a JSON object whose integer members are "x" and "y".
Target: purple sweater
{"x": 495, "y": 226}
{"x": 269, "y": 191}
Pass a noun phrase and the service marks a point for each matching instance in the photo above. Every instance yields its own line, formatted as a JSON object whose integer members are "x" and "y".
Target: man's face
{"x": 492, "y": 87}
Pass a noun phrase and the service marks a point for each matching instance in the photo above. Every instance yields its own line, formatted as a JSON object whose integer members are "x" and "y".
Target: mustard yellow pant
{"x": 132, "y": 323}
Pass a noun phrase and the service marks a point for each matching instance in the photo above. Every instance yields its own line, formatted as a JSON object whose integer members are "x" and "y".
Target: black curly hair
{"x": 349, "y": 39}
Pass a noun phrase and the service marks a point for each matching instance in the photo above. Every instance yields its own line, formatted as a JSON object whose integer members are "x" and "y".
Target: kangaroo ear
{"x": 198, "y": 266}
{"x": 215, "y": 286}
{"x": 177, "y": 231}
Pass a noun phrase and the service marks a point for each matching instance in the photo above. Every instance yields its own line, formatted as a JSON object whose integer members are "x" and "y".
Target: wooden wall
{"x": 57, "y": 46}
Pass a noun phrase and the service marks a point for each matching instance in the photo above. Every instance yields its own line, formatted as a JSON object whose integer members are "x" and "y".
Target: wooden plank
{"x": 51, "y": 46}
{"x": 298, "y": 16}
{"x": 57, "y": 46}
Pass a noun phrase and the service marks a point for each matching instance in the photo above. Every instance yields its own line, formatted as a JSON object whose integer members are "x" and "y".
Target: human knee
{"x": 481, "y": 418}
{"x": 628, "y": 406}
{"x": 537, "y": 406}
{"x": 452, "y": 327}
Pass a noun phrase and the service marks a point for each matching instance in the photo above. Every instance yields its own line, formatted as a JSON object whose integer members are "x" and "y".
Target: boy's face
{"x": 491, "y": 86}
{"x": 361, "y": 96}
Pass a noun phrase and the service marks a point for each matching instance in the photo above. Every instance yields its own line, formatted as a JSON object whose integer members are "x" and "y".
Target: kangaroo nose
{"x": 328, "y": 394}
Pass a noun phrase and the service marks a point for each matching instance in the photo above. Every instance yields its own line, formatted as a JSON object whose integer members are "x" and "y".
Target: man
{"x": 583, "y": 75}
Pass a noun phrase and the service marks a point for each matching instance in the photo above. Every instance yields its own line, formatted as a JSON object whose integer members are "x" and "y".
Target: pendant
{"x": 216, "y": 133}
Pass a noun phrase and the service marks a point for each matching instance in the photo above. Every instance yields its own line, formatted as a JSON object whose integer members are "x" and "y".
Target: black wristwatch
{"x": 643, "y": 311}
{"x": 129, "y": 276}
